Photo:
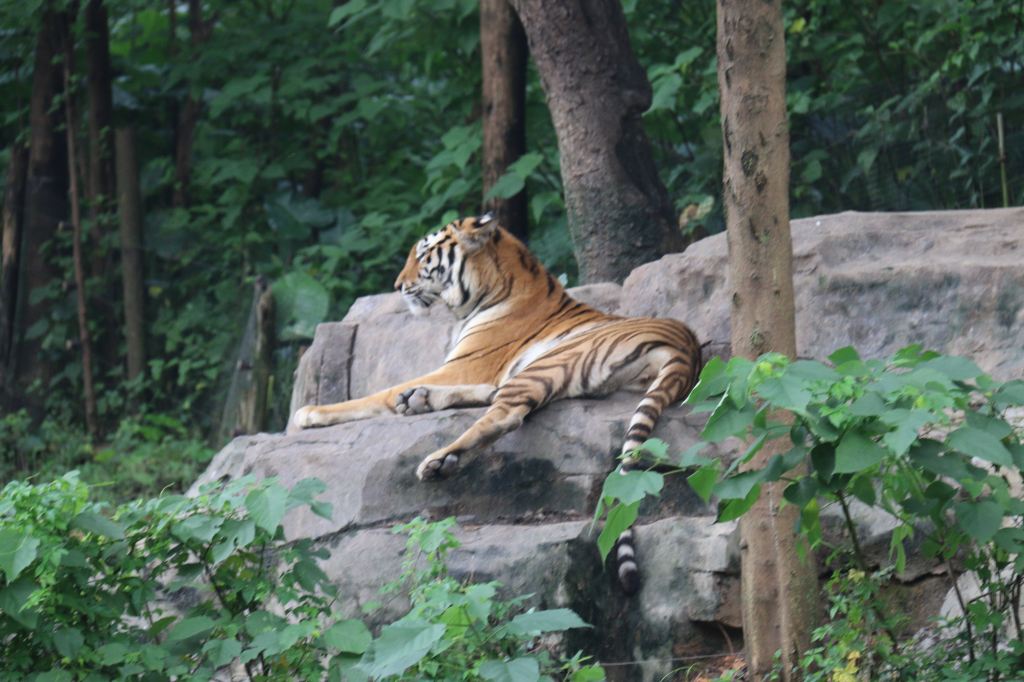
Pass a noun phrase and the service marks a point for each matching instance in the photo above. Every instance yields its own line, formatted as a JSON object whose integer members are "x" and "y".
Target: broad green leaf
{"x": 222, "y": 651}
{"x": 956, "y": 368}
{"x": 348, "y": 636}
{"x": 267, "y": 506}
{"x": 68, "y": 641}
{"x": 14, "y": 601}
{"x": 342, "y": 12}
{"x": 523, "y": 669}
{"x": 801, "y": 492}
{"x": 93, "y": 522}
{"x": 703, "y": 480}
{"x": 1010, "y": 393}
{"x": 737, "y": 508}
{"x": 844, "y": 355}
{"x": 907, "y": 423}
{"x": 856, "y": 452}
{"x": 190, "y": 627}
{"x": 300, "y": 304}
{"x": 17, "y": 551}
{"x": 823, "y": 460}
{"x": 786, "y": 391}
{"x": 620, "y": 517}
{"x": 977, "y": 443}
{"x": 727, "y": 421}
{"x": 656, "y": 447}
{"x": 712, "y": 382}
{"x": 980, "y": 520}
{"x": 551, "y": 620}
{"x": 868, "y": 405}
{"x": 400, "y": 646}
{"x": 737, "y": 486}
{"x": 811, "y": 370}
{"x": 112, "y": 653}
{"x": 591, "y": 673}
{"x": 632, "y": 486}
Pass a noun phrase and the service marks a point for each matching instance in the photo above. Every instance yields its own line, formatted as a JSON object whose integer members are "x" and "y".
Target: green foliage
{"x": 85, "y": 588}
{"x": 920, "y": 436}
{"x": 462, "y": 631}
{"x": 177, "y": 587}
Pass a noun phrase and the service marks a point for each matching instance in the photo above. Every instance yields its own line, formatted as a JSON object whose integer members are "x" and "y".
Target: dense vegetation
{"x": 327, "y": 137}
{"x": 921, "y": 438}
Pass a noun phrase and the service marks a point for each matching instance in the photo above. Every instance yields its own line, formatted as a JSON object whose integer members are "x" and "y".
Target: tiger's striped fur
{"x": 524, "y": 342}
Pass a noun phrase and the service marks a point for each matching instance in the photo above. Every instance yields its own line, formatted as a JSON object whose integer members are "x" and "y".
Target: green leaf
{"x": 551, "y": 620}
{"x": 977, "y": 443}
{"x": 713, "y": 381}
{"x": 300, "y": 303}
{"x": 523, "y": 669}
{"x": 190, "y": 627}
{"x": 620, "y": 517}
{"x": 956, "y": 368}
{"x": 866, "y": 159}
{"x": 222, "y": 651}
{"x": 14, "y": 601}
{"x": 823, "y": 460}
{"x": 801, "y": 492}
{"x": 868, "y": 405}
{"x": 348, "y": 636}
{"x": 656, "y": 447}
{"x": 786, "y": 391}
{"x": 342, "y": 12}
{"x": 632, "y": 486}
{"x": 17, "y": 551}
{"x": 907, "y": 423}
{"x": 856, "y": 452}
{"x": 1010, "y": 393}
{"x": 737, "y": 508}
{"x": 737, "y": 486}
{"x": 267, "y": 506}
{"x": 112, "y": 654}
{"x": 811, "y": 370}
{"x": 844, "y": 355}
{"x": 93, "y": 522}
{"x": 703, "y": 480}
{"x": 400, "y": 646}
{"x": 68, "y": 641}
{"x": 727, "y": 421}
{"x": 980, "y": 520}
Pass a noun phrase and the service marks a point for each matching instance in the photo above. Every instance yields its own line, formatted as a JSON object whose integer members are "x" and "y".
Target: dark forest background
{"x": 301, "y": 146}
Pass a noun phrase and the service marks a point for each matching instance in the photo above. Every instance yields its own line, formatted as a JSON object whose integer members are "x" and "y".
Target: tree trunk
{"x": 619, "y": 211}
{"x": 245, "y": 407}
{"x": 10, "y": 240}
{"x": 129, "y": 203}
{"x": 101, "y": 113}
{"x": 503, "y": 55}
{"x": 84, "y": 337}
{"x": 779, "y": 589}
{"x": 46, "y": 203}
{"x": 188, "y": 115}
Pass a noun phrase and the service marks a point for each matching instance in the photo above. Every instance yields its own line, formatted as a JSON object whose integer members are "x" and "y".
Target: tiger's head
{"x": 438, "y": 266}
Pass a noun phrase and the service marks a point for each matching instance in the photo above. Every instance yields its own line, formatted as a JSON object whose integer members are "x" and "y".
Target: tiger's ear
{"x": 473, "y": 233}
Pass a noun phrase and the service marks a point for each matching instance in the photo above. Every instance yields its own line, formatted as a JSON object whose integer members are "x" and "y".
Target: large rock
{"x": 951, "y": 281}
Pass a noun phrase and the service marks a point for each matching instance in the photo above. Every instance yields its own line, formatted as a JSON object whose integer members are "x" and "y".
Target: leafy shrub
{"x": 920, "y": 436}
{"x": 178, "y": 587}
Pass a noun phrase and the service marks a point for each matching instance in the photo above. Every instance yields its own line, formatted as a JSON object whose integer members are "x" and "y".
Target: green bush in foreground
{"x": 178, "y": 587}
{"x": 920, "y": 436}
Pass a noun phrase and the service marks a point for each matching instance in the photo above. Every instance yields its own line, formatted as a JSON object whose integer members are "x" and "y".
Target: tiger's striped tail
{"x": 673, "y": 382}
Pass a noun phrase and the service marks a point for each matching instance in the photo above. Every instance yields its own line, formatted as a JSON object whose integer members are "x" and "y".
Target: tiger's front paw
{"x": 438, "y": 466}
{"x": 413, "y": 401}
{"x": 305, "y": 418}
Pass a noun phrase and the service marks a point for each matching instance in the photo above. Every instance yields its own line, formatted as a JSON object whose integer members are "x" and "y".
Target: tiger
{"x": 523, "y": 343}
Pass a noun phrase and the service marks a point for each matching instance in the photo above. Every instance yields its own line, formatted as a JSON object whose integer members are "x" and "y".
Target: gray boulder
{"x": 952, "y": 281}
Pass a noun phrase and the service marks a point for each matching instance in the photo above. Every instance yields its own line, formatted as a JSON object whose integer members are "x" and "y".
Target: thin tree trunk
{"x": 245, "y": 407}
{"x": 503, "y": 54}
{"x": 618, "y": 209}
{"x": 10, "y": 240}
{"x": 130, "y": 212}
{"x": 101, "y": 113}
{"x": 76, "y": 244}
{"x": 779, "y": 588}
{"x": 46, "y": 197}
{"x": 188, "y": 115}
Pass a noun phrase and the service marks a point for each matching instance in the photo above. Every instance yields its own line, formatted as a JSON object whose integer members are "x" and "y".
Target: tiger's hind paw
{"x": 413, "y": 401}
{"x": 438, "y": 467}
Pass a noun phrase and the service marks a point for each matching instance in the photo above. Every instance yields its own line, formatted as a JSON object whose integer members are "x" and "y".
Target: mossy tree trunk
{"x": 618, "y": 209}
{"x": 778, "y": 586}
